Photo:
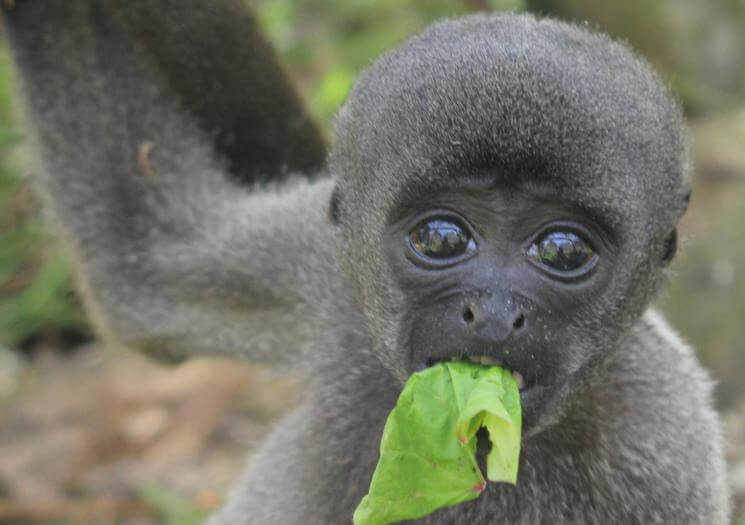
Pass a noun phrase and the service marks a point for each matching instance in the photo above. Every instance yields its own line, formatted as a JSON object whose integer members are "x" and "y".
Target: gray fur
{"x": 177, "y": 258}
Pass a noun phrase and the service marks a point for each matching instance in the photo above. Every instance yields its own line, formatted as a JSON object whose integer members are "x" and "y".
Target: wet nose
{"x": 493, "y": 318}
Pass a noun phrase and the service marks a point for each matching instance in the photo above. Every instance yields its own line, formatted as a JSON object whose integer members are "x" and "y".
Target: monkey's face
{"x": 508, "y": 192}
{"x": 500, "y": 275}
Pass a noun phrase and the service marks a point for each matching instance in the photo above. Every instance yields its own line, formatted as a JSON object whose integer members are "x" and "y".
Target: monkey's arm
{"x": 145, "y": 114}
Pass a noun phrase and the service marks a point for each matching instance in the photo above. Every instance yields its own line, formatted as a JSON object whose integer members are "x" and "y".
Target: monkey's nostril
{"x": 519, "y": 322}
{"x": 468, "y": 315}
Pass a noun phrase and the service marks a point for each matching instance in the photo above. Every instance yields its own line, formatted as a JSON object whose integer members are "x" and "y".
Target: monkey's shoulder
{"x": 657, "y": 432}
{"x": 658, "y": 369}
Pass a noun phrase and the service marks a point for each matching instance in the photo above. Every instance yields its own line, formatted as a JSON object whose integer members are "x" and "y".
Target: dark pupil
{"x": 440, "y": 239}
{"x": 563, "y": 251}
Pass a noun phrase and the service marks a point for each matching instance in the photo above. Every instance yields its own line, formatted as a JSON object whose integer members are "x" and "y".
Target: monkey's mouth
{"x": 524, "y": 382}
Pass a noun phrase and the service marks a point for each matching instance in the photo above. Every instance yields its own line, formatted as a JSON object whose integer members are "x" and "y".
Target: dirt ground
{"x": 104, "y": 436}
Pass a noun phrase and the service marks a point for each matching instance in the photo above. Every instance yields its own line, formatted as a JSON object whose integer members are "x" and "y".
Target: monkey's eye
{"x": 562, "y": 251}
{"x": 442, "y": 239}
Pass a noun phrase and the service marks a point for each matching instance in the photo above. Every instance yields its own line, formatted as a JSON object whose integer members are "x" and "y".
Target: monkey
{"x": 502, "y": 188}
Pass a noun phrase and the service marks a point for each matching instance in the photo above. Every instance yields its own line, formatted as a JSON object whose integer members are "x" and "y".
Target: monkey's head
{"x": 508, "y": 191}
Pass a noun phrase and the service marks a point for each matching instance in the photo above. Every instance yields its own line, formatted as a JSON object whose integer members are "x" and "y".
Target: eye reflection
{"x": 441, "y": 239}
{"x": 562, "y": 251}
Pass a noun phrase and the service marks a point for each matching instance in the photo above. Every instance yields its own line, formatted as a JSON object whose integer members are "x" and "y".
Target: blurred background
{"x": 90, "y": 434}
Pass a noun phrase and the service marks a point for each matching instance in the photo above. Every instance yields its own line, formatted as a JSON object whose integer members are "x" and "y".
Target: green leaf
{"x": 428, "y": 449}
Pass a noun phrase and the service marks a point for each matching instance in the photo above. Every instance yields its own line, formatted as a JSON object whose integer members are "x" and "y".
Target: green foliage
{"x": 35, "y": 289}
{"x": 172, "y": 508}
{"x": 332, "y": 91}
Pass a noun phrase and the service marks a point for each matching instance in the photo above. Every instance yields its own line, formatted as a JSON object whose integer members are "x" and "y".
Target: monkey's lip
{"x": 522, "y": 384}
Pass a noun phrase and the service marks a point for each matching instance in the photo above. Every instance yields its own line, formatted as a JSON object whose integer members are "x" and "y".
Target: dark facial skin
{"x": 481, "y": 276}
{"x": 560, "y": 140}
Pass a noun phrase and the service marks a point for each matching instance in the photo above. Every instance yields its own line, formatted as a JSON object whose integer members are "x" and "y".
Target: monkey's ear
{"x": 334, "y": 211}
{"x": 671, "y": 246}
{"x": 686, "y": 200}
{"x": 671, "y": 243}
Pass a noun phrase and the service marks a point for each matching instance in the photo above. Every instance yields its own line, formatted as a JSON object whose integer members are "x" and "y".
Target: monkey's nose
{"x": 492, "y": 319}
